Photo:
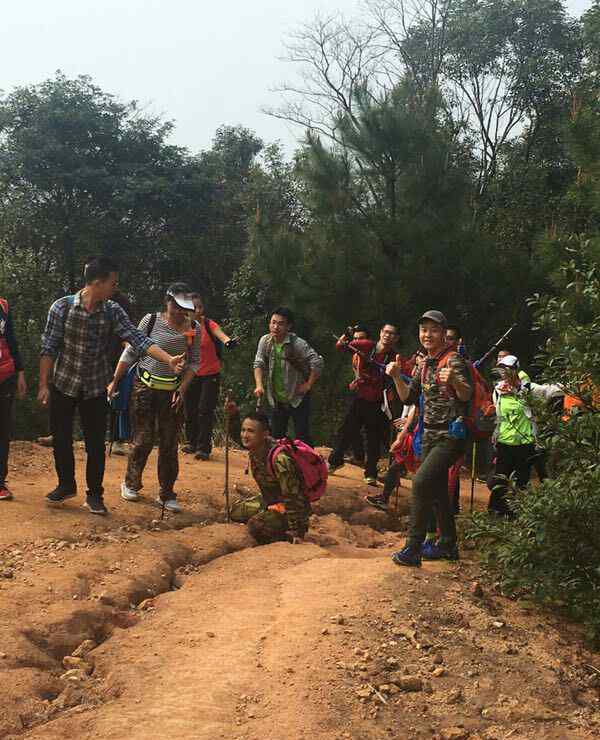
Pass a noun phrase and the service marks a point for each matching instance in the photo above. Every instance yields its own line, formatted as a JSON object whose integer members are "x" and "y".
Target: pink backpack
{"x": 311, "y": 465}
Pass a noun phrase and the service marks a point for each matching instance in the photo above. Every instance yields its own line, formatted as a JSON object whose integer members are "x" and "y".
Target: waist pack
{"x": 159, "y": 382}
{"x": 7, "y": 363}
{"x": 310, "y": 464}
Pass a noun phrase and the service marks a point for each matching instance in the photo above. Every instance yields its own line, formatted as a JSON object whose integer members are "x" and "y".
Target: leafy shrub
{"x": 550, "y": 551}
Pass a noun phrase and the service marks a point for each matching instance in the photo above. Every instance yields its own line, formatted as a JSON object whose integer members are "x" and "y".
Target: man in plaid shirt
{"x": 75, "y": 370}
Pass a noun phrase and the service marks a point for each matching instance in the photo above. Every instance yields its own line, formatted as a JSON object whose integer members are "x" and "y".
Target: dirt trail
{"x": 197, "y": 634}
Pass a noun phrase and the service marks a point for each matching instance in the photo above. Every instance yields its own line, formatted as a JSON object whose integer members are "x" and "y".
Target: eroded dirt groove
{"x": 127, "y": 628}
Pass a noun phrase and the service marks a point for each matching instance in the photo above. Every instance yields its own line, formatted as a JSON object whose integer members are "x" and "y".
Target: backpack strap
{"x": 442, "y": 361}
{"x": 151, "y": 323}
{"x": 281, "y": 445}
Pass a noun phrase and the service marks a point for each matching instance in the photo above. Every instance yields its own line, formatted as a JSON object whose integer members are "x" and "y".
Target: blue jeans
{"x": 280, "y": 415}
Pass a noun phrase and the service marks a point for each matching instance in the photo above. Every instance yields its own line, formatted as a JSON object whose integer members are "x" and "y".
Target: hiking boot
{"x": 427, "y": 549}
{"x": 170, "y": 505}
{"x": 5, "y": 492}
{"x": 45, "y": 441}
{"x": 95, "y": 504}
{"x": 59, "y": 494}
{"x": 128, "y": 494}
{"x": 378, "y": 502}
{"x": 410, "y": 555}
{"x": 188, "y": 449}
{"x": 439, "y": 551}
{"x": 370, "y": 481}
{"x": 200, "y": 455}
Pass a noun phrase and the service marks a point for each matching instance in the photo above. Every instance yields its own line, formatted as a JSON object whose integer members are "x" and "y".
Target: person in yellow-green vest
{"x": 514, "y": 436}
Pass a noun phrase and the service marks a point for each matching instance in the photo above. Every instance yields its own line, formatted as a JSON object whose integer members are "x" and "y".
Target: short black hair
{"x": 362, "y": 328}
{"x": 455, "y": 328}
{"x": 285, "y": 312}
{"x": 261, "y": 418}
{"x": 99, "y": 268}
{"x": 390, "y": 323}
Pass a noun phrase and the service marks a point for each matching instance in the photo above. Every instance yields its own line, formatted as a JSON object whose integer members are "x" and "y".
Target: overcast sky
{"x": 201, "y": 63}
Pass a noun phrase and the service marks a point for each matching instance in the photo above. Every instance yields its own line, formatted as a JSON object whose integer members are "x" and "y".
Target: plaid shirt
{"x": 79, "y": 342}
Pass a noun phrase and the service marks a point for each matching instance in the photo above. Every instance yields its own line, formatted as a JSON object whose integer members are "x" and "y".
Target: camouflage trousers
{"x": 150, "y": 409}
{"x": 271, "y": 526}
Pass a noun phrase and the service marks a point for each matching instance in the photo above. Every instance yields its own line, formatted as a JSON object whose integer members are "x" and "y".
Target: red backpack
{"x": 7, "y": 363}
{"x": 481, "y": 411}
{"x": 311, "y": 465}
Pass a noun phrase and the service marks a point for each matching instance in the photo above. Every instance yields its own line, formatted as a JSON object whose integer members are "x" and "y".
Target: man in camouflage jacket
{"x": 447, "y": 388}
{"x": 286, "y": 506}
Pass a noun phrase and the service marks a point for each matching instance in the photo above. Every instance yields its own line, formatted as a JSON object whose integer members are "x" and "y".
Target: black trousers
{"x": 7, "y": 397}
{"x": 92, "y": 412}
{"x": 361, "y": 413}
{"x": 200, "y": 403}
{"x": 510, "y": 459}
{"x": 281, "y": 414}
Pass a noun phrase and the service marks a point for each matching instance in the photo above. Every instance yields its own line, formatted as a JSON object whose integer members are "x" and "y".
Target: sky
{"x": 199, "y": 63}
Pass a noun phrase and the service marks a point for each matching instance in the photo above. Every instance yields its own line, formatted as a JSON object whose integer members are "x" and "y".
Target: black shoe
{"x": 202, "y": 456}
{"x": 189, "y": 449}
{"x": 59, "y": 494}
{"x": 95, "y": 504}
{"x": 378, "y": 502}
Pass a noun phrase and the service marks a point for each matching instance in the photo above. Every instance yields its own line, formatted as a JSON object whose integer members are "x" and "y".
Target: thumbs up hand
{"x": 394, "y": 369}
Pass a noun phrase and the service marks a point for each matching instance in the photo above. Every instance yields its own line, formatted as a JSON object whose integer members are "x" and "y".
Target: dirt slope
{"x": 197, "y": 634}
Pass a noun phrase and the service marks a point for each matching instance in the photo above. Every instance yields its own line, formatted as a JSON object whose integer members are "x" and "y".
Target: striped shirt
{"x": 169, "y": 340}
{"x": 78, "y": 340}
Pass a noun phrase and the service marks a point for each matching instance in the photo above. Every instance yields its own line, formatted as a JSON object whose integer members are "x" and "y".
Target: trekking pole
{"x": 473, "y": 471}
{"x": 226, "y": 491}
{"x": 494, "y": 347}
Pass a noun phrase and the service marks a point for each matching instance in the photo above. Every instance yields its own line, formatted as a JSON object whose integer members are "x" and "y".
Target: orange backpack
{"x": 481, "y": 411}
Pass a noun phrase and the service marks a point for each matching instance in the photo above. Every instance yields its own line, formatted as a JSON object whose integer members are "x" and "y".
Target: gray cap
{"x": 436, "y": 316}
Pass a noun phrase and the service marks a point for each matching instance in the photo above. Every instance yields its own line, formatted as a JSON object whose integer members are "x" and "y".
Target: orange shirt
{"x": 210, "y": 364}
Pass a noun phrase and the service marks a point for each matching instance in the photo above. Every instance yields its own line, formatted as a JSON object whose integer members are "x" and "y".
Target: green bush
{"x": 550, "y": 551}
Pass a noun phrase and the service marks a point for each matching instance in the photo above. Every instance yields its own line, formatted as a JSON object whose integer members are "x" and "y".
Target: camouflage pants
{"x": 147, "y": 408}
{"x": 270, "y": 526}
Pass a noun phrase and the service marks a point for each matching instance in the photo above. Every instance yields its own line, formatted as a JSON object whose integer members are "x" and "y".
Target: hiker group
{"x": 164, "y": 374}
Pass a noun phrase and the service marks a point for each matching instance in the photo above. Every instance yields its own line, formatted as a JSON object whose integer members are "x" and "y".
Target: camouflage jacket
{"x": 440, "y": 403}
{"x": 285, "y": 487}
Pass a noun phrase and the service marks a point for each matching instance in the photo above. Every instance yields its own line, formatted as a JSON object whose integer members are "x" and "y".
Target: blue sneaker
{"x": 438, "y": 551}
{"x": 410, "y": 555}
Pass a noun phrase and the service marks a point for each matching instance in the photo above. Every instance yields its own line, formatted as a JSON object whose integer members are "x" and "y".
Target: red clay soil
{"x": 129, "y": 627}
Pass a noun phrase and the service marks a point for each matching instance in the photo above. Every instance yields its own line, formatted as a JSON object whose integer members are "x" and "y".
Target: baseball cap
{"x": 180, "y": 293}
{"x": 436, "y": 316}
{"x": 508, "y": 361}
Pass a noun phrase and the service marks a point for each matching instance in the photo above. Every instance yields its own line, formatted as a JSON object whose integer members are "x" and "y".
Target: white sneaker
{"x": 170, "y": 505}
{"x": 128, "y": 493}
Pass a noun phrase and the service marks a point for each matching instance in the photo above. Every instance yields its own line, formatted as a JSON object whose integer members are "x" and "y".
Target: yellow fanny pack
{"x": 159, "y": 382}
